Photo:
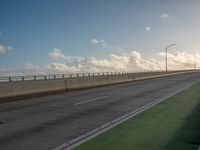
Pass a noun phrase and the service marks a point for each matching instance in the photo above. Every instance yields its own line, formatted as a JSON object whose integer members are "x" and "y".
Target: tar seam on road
{"x": 90, "y": 100}
{"x": 93, "y": 133}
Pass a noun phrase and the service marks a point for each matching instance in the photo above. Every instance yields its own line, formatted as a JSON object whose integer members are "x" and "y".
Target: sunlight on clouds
{"x": 56, "y": 53}
{"x": 183, "y": 60}
{"x": 61, "y": 68}
{"x": 132, "y": 61}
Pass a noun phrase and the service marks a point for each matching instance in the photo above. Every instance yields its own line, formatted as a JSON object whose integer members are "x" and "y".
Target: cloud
{"x": 57, "y": 54}
{"x": 182, "y": 60}
{"x": 94, "y": 41}
{"x": 164, "y": 15}
{"x": 61, "y": 68}
{"x": 29, "y": 66}
{"x": 4, "y": 49}
{"x": 99, "y": 42}
{"x": 129, "y": 62}
{"x": 148, "y": 28}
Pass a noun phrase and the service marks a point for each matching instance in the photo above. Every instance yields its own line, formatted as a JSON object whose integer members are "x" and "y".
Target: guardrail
{"x": 55, "y": 76}
{"x": 73, "y": 75}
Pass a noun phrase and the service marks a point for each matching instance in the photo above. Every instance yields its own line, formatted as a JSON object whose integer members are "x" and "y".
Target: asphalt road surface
{"x": 47, "y": 122}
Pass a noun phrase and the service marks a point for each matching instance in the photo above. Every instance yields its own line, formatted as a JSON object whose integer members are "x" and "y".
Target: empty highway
{"x": 46, "y": 122}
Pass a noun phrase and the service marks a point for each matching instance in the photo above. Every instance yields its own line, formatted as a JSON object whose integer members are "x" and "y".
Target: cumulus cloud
{"x": 148, "y": 28}
{"x": 61, "y": 68}
{"x": 4, "y": 49}
{"x": 132, "y": 61}
{"x": 182, "y": 60}
{"x": 29, "y": 66}
{"x": 99, "y": 42}
{"x": 57, "y": 54}
{"x": 164, "y": 15}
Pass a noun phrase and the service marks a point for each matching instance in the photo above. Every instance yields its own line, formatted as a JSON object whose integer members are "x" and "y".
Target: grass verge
{"x": 172, "y": 124}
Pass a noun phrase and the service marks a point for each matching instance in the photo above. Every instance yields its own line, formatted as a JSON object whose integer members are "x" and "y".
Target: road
{"x": 47, "y": 122}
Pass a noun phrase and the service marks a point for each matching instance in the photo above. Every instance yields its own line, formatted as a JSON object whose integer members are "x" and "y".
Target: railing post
{"x": 98, "y": 73}
{"x": 54, "y": 76}
{"x": 93, "y": 74}
{"x": 22, "y": 78}
{"x": 77, "y": 75}
{"x": 63, "y": 76}
{"x": 83, "y": 74}
{"x": 34, "y": 77}
{"x": 45, "y": 77}
{"x": 70, "y": 75}
{"x": 88, "y": 74}
{"x": 9, "y": 79}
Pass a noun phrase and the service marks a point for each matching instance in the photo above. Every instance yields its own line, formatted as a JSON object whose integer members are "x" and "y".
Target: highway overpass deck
{"x": 47, "y": 122}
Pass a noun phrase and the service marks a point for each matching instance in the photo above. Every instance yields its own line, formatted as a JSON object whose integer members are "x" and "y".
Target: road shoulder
{"x": 153, "y": 129}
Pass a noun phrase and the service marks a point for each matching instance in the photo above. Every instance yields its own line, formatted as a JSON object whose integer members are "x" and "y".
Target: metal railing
{"x": 55, "y": 76}
{"x": 73, "y": 75}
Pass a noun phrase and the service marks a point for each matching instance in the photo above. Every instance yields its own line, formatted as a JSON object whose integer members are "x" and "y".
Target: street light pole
{"x": 194, "y": 63}
{"x": 166, "y": 55}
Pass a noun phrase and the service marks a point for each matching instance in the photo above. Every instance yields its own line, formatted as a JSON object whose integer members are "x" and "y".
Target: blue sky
{"x": 31, "y": 29}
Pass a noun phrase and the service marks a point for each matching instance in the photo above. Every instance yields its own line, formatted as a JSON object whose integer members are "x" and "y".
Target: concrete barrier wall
{"x": 20, "y": 88}
{"x": 30, "y": 87}
{"x": 87, "y": 82}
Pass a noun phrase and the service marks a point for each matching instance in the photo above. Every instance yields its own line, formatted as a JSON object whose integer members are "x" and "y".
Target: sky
{"x": 63, "y": 36}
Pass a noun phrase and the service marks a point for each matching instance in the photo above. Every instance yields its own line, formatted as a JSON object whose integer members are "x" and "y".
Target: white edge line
{"x": 90, "y": 100}
{"x": 93, "y": 133}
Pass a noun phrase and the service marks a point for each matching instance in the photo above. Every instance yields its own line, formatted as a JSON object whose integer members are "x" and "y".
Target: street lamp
{"x": 194, "y": 63}
{"x": 166, "y": 53}
{"x": 194, "y": 66}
